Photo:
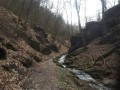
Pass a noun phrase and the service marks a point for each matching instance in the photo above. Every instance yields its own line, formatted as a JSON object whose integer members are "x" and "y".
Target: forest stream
{"x": 81, "y": 75}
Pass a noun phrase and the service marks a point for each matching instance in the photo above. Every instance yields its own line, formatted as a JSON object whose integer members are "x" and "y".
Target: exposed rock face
{"x": 46, "y": 46}
{"x": 76, "y": 42}
{"x": 41, "y": 35}
{"x": 93, "y": 30}
{"x": 96, "y": 29}
{"x": 112, "y": 16}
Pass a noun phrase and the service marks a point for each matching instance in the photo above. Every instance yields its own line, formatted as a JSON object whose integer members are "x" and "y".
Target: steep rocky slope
{"x": 21, "y": 48}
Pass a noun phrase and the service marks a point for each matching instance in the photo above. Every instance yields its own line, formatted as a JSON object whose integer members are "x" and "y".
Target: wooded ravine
{"x": 40, "y": 50}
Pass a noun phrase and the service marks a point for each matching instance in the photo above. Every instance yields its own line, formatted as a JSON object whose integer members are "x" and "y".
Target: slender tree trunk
{"x": 118, "y": 1}
{"x": 85, "y": 12}
{"x": 22, "y": 9}
{"x": 104, "y": 8}
{"x": 28, "y": 12}
{"x": 71, "y": 18}
{"x": 21, "y": 12}
{"x": 81, "y": 31}
{"x": 6, "y": 5}
{"x": 79, "y": 24}
{"x": 6, "y": 2}
{"x": 35, "y": 14}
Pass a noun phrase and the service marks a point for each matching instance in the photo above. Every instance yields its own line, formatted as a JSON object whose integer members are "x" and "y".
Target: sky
{"x": 93, "y": 8}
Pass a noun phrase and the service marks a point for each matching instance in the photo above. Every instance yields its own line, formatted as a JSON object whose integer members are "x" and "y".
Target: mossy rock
{"x": 55, "y": 60}
{"x": 34, "y": 44}
{"x": 69, "y": 60}
{"x": 9, "y": 67}
{"x": 72, "y": 66}
{"x": 37, "y": 59}
{"x": 46, "y": 50}
{"x": 76, "y": 52}
{"x": 8, "y": 45}
{"x": 27, "y": 62}
{"x": 54, "y": 48}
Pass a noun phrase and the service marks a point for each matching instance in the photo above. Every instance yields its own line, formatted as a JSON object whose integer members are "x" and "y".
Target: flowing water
{"x": 83, "y": 76}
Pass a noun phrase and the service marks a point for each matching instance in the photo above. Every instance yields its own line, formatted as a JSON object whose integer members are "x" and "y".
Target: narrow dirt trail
{"x": 42, "y": 78}
{"x": 44, "y": 75}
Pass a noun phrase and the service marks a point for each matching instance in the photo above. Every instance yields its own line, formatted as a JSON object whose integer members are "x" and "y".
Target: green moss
{"x": 105, "y": 55}
{"x": 99, "y": 73}
{"x": 115, "y": 31}
{"x": 77, "y": 52}
{"x": 66, "y": 79}
{"x": 56, "y": 59}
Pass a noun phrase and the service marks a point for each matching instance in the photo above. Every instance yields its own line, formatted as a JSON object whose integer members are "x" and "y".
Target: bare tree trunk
{"x": 35, "y": 14}
{"x": 6, "y": 3}
{"x": 104, "y": 7}
{"x": 68, "y": 26}
{"x": 71, "y": 18}
{"x": 21, "y": 10}
{"x": 28, "y": 12}
{"x": 85, "y": 9}
{"x": 55, "y": 22}
{"x": 118, "y": 1}
{"x": 79, "y": 24}
{"x": 11, "y": 5}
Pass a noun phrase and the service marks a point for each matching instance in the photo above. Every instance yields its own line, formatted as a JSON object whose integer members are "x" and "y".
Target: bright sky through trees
{"x": 93, "y": 7}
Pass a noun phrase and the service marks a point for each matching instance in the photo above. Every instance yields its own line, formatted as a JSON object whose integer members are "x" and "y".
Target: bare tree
{"x": 118, "y": 1}
{"x": 21, "y": 10}
{"x": 104, "y": 6}
{"x": 65, "y": 8}
{"x": 36, "y": 10}
{"x": 28, "y": 11}
{"x": 77, "y": 6}
{"x": 71, "y": 18}
{"x": 85, "y": 11}
{"x": 98, "y": 16}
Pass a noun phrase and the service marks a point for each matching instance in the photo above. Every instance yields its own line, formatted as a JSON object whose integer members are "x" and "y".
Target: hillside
{"x": 101, "y": 58}
{"x": 22, "y": 49}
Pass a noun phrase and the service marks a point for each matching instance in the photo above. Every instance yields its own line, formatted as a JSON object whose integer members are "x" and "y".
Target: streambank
{"x": 82, "y": 76}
